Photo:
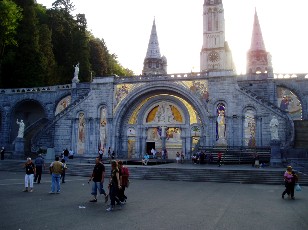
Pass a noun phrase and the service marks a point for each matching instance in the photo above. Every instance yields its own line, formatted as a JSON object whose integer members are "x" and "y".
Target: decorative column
{"x": 143, "y": 141}
{"x": 163, "y": 137}
{"x": 110, "y": 140}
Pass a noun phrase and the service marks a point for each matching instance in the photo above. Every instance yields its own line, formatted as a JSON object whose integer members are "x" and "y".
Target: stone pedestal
{"x": 19, "y": 148}
{"x": 221, "y": 142}
{"x": 276, "y": 160}
{"x": 50, "y": 155}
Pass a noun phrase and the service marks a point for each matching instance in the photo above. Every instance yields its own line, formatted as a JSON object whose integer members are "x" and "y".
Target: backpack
{"x": 125, "y": 177}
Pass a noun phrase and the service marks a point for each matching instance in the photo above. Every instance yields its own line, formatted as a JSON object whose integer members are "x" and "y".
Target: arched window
{"x": 250, "y": 128}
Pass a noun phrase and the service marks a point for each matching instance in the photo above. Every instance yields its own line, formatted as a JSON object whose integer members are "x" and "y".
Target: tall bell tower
{"x": 215, "y": 54}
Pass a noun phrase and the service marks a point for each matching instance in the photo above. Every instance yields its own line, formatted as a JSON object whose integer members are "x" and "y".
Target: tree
{"x": 65, "y": 5}
{"x": 99, "y": 57}
{"x": 10, "y": 16}
{"x": 28, "y": 65}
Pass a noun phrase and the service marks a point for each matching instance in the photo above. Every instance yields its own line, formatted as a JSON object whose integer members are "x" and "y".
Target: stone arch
{"x": 30, "y": 111}
{"x": 146, "y": 91}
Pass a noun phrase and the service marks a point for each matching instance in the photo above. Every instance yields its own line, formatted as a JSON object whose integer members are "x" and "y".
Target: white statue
{"x": 76, "y": 73}
{"x": 274, "y": 128}
{"x": 21, "y": 128}
{"x": 221, "y": 124}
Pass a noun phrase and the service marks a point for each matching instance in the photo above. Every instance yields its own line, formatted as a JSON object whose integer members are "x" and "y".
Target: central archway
{"x": 137, "y": 118}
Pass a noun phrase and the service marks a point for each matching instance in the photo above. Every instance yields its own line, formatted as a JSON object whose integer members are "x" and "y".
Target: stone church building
{"x": 177, "y": 112}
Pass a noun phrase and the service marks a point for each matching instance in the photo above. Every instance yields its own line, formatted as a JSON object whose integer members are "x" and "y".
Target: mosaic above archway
{"x": 191, "y": 111}
{"x": 66, "y": 101}
{"x": 289, "y": 102}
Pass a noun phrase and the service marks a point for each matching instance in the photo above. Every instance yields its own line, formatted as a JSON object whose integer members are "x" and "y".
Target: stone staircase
{"x": 174, "y": 172}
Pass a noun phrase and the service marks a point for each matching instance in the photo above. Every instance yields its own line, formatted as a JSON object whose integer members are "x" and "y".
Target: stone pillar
{"x": 19, "y": 148}
{"x": 276, "y": 160}
{"x": 163, "y": 137}
{"x": 110, "y": 139}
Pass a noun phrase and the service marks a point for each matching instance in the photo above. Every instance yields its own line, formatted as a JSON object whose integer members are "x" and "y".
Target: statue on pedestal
{"x": 76, "y": 73}
{"x": 21, "y": 128}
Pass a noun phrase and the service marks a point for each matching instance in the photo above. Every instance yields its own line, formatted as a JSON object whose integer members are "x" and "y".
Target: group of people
{"x": 67, "y": 154}
{"x": 110, "y": 155}
{"x": 179, "y": 157}
{"x": 34, "y": 173}
{"x": 202, "y": 158}
{"x": 118, "y": 181}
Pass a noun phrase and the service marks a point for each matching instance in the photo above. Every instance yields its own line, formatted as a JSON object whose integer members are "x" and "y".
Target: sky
{"x": 125, "y": 26}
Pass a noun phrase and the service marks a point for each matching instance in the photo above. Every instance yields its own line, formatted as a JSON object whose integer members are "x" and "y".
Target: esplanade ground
{"x": 151, "y": 204}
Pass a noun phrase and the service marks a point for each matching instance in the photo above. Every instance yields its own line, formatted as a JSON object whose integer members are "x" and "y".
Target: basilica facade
{"x": 173, "y": 112}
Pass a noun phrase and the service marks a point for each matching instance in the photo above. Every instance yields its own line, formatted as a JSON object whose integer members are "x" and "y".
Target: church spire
{"x": 154, "y": 63}
{"x": 258, "y": 59}
{"x": 257, "y": 42}
{"x": 153, "y": 47}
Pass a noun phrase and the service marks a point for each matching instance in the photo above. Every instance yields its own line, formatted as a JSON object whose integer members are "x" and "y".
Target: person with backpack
{"x": 124, "y": 181}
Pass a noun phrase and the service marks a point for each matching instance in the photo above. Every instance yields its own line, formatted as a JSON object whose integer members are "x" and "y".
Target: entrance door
{"x": 150, "y": 145}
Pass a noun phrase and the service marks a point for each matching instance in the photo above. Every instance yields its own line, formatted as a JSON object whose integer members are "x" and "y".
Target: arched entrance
{"x": 160, "y": 118}
{"x": 33, "y": 115}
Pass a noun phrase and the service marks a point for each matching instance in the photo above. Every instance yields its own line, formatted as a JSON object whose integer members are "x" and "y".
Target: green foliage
{"x": 50, "y": 42}
{"x": 10, "y": 16}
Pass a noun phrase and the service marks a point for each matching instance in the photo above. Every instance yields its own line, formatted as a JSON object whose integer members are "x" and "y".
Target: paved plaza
{"x": 151, "y": 205}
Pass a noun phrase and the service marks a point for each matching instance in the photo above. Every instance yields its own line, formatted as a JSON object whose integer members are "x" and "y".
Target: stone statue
{"x": 21, "y": 128}
{"x": 76, "y": 73}
{"x": 221, "y": 125}
{"x": 274, "y": 128}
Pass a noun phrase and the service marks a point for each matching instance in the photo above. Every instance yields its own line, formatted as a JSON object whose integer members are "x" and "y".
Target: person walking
{"x": 219, "y": 157}
{"x": 56, "y": 169}
{"x": 2, "y": 153}
{"x": 289, "y": 183}
{"x": 114, "y": 186}
{"x": 39, "y": 165}
{"x": 124, "y": 179}
{"x": 63, "y": 171}
{"x": 30, "y": 172}
{"x": 100, "y": 153}
{"x": 177, "y": 157}
{"x": 98, "y": 176}
{"x": 182, "y": 157}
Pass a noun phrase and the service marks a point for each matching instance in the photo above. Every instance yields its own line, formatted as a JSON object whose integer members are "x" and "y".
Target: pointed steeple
{"x": 212, "y": 2}
{"x": 154, "y": 63}
{"x": 258, "y": 59}
{"x": 153, "y": 47}
{"x": 257, "y": 42}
